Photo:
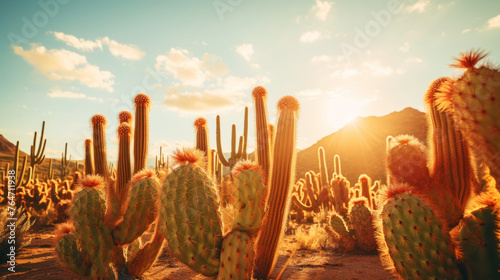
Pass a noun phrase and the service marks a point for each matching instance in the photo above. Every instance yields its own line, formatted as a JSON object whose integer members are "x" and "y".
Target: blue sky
{"x": 64, "y": 61}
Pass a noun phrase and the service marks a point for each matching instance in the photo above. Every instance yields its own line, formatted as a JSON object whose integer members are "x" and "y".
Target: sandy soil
{"x": 38, "y": 261}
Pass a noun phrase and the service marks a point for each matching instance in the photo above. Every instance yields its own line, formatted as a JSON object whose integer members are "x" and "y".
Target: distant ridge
{"x": 361, "y": 144}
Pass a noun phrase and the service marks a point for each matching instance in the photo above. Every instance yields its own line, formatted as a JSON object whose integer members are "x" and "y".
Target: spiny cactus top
{"x": 142, "y": 99}
{"x": 288, "y": 103}
{"x": 88, "y": 141}
{"x": 243, "y": 165}
{"x": 259, "y": 91}
{"x": 92, "y": 181}
{"x": 125, "y": 116}
{"x": 99, "y": 119}
{"x": 62, "y": 230}
{"x": 143, "y": 174}
{"x": 185, "y": 155}
{"x": 470, "y": 59}
{"x": 432, "y": 91}
{"x": 200, "y": 122}
{"x": 124, "y": 129}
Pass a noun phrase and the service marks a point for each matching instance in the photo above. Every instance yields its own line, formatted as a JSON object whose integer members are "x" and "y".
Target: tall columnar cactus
{"x": 89, "y": 157}
{"x": 263, "y": 149}
{"x": 189, "y": 214}
{"x": 65, "y": 161}
{"x": 366, "y": 184}
{"x": 37, "y": 157}
{"x": 242, "y": 147}
{"x": 202, "y": 142}
{"x": 322, "y": 167}
{"x": 99, "y": 140}
{"x": 280, "y": 185}
{"x": 125, "y": 117}
{"x": 50, "y": 172}
{"x": 141, "y": 131}
{"x": 472, "y": 100}
{"x": 21, "y": 172}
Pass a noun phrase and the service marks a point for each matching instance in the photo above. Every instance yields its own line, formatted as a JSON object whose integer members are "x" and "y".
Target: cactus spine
{"x": 263, "y": 149}
{"x": 280, "y": 187}
{"x": 89, "y": 158}
{"x": 99, "y": 140}
{"x": 141, "y": 132}
{"x": 202, "y": 142}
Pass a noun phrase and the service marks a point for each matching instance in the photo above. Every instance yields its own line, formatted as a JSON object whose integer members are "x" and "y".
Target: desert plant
{"x": 65, "y": 161}
{"x": 417, "y": 204}
{"x": 242, "y": 147}
{"x": 202, "y": 143}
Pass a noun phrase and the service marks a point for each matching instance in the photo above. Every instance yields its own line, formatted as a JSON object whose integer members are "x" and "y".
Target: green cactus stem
{"x": 65, "y": 161}
{"x": 38, "y": 157}
{"x": 280, "y": 185}
{"x": 237, "y": 255}
{"x": 89, "y": 157}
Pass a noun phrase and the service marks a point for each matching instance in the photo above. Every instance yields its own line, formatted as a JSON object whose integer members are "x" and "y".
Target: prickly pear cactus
{"x": 250, "y": 197}
{"x": 346, "y": 242}
{"x": 237, "y": 256}
{"x": 360, "y": 218}
{"x": 69, "y": 251}
{"x": 189, "y": 213}
{"x": 417, "y": 245}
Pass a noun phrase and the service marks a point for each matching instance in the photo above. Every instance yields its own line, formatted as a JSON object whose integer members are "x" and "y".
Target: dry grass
{"x": 313, "y": 238}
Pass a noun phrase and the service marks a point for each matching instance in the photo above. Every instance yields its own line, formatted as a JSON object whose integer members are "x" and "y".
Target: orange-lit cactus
{"x": 280, "y": 185}
{"x": 99, "y": 140}
{"x": 202, "y": 142}
{"x": 263, "y": 149}
{"x": 141, "y": 131}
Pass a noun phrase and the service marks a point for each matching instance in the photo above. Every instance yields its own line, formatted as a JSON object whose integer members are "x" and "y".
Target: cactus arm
{"x": 146, "y": 256}
{"x": 233, "y": 145}
{"x": 245, "y": 135}
{"x": 220, "y": 152}
{"x": 303, "y": 206}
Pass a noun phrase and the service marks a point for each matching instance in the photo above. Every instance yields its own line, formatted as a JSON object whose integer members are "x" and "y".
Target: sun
{"x": 341, "y": 110}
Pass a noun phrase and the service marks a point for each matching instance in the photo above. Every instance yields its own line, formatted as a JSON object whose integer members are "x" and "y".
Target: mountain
{"x": 7, "y": 148}
{"x": 361, "y": 144}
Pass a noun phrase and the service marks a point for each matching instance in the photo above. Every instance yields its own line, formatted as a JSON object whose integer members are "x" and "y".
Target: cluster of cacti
{"x": 430, "y": 225}
{"x": 354, "y": 230}
{"x": 316, "y": 192}
{"x": 118, "y": 209}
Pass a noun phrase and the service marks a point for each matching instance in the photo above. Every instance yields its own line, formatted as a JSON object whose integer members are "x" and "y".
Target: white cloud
{"x": 321, "y": 9}
{"x": 445, "y": 6}
{"x": 494, "y": 22}
{"x": 66, "y": 65}
{"x": 309, "y": 92}
{"x": 405, "y": 47}
{"x": 376, "y": 69}
{"x": 58, "y": 93}
{"x": 246, "y": 51}
{"x": 202, "y": 84}
{"x": 80, "y": 44}
{"x": 131, "y": 52}
{"x": 190, "y": 70}
{"x": 346, "y": 73}
{"x": 310, "y": 36}
{"x": 414, "y": 60}
{"x": 418, "y": 7}
{"x": 466, "y": 30}
{"x": 92, "y": 98}
{"x": 322, "y": 58}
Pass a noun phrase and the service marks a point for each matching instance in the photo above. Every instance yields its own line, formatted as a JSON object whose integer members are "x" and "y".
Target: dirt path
{"x": 38, "y": 261}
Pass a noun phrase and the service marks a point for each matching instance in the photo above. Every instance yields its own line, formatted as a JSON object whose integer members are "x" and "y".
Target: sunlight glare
{"x": 341, "y": 110}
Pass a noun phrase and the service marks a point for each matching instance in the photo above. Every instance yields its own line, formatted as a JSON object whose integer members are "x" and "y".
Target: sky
{"x": 63, "y": 61}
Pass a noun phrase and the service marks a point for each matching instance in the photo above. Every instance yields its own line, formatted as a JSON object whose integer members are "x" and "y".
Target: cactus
{"x": 250, "y": 194}
{"x": 141, "y": 131}
{"x": 340, "y": 188}
{"x": 360, "y": 218}
{"x": 262, "y": 130}
{"x": 38, "y": 157}
{"x": 50, "y": 172}
{"x": 472, "y": 101}
{"x": 69, "y": 250}
{"x": 21, "y": 172}
{"x": 366, "y": 183}
{"x": 242, "y": 147}
{"x": 412, "y": 239}
{"x": 280, "y": 185}
{"x": 203, "y": 144}
{"x": 344, "y": 239}
{"x": 99, "y": 141}
{"x": 237, "y": 256}
{"x": 89, "y": 158}
{"x": 64, "y": 161}
{"x": 189, "y": 214}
